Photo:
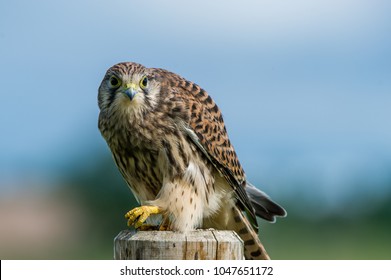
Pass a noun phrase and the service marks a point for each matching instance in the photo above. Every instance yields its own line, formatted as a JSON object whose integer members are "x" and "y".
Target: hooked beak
{"x": 130, "y": 91}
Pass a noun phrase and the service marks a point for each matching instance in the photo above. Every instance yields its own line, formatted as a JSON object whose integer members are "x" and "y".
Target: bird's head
{"x": 129, "y": 88}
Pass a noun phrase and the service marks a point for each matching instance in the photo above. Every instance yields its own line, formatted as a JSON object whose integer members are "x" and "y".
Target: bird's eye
{"x": 144, "y": 82}
{"x": 114, "y": 82}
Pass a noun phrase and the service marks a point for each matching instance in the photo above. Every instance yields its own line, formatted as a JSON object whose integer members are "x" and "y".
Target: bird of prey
{"x": 169, "y": 141}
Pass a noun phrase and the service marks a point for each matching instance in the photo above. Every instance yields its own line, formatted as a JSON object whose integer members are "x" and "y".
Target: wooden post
{"x": 168, "y": 245}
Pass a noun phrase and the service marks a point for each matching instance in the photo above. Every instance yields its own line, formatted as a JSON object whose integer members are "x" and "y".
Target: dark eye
{"x": 114, "y": 82}
{"x": 144, "y": 82}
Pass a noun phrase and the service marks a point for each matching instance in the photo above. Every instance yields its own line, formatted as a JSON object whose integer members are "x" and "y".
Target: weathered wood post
{"x": 168, "y": 245}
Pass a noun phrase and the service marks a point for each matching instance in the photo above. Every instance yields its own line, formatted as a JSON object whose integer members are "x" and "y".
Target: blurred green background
{"x": 304, "y": 86}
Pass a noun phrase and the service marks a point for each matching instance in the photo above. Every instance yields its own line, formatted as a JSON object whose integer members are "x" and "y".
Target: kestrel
{"x": 170, "y": 143}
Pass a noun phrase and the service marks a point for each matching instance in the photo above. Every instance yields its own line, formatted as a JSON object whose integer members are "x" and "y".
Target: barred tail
{"x": 253, "y": 248}
{"x": 232, "y": 218}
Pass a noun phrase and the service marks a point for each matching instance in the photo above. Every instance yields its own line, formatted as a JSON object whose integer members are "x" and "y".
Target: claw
{"x": 138, "y": 215}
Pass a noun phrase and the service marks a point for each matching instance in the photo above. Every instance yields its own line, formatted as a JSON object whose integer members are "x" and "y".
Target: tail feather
{"x": 253, "y": 248}
{"x": 231, "y": 217}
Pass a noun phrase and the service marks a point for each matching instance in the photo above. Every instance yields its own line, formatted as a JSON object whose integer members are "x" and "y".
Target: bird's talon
{"x": 146, "y": 227}
{"x": 163, "y": 228}
{"x": 139, "y": 215}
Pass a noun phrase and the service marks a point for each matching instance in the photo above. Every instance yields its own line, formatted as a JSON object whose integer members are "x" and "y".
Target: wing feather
{"x": 205, "y": 126}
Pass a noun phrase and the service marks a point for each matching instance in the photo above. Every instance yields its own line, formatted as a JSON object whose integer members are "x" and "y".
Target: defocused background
{"x": 304, "y": 86}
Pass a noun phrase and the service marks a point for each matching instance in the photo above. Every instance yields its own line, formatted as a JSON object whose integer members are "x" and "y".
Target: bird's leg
{"x": 138, "y": 215}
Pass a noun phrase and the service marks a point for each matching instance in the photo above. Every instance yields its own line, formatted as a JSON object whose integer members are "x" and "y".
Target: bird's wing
{"x": 263, "y": 205}
{"x": 206, "y": 128}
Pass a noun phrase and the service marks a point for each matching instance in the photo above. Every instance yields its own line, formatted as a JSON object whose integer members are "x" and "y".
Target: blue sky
{"x": 304, "y": 86}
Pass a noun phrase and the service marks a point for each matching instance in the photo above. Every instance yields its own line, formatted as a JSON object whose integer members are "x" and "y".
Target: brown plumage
{"x": 169, "y": 141}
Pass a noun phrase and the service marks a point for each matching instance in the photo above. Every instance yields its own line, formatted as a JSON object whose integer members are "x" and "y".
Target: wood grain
{"x": 168, "y": 245}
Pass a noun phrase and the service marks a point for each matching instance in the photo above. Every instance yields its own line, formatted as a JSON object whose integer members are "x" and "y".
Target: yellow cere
{"x": 131, "y": 85}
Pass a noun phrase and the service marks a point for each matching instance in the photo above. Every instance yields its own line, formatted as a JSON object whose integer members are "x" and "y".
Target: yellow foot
{"x": 146, "y": 227}
{"x": 165, "y": 224}
{"x": 138, "y": 215}
{"x": 163, "y": 228}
